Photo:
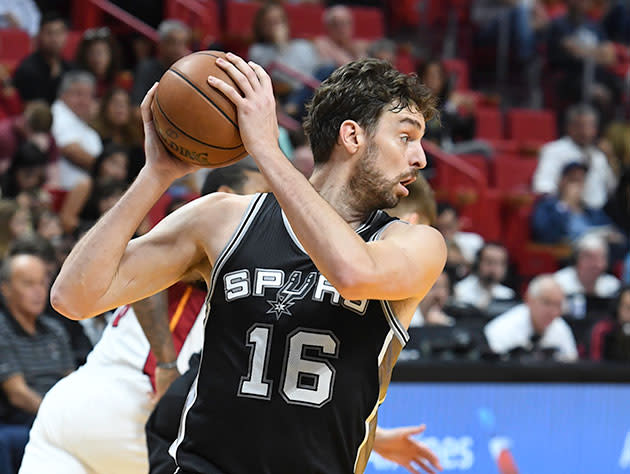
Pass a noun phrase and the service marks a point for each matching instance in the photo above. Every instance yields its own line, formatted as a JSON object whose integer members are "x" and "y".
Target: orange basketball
{"x": 195, "y": 121}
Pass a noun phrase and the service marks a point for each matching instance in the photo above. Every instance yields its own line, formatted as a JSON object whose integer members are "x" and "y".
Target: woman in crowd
{"x": 98, "y": 54}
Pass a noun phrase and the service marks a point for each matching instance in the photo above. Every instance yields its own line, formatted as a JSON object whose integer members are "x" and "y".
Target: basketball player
{"x": 310, "y": 288}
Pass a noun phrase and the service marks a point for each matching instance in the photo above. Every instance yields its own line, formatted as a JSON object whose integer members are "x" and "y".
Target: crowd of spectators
{"x": 71, "y": 142}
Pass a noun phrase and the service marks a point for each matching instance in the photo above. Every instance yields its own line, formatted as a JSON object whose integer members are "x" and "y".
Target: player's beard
{"x": 369, "y": 186}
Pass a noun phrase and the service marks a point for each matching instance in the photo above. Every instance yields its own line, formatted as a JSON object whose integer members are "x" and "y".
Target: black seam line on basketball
{"x": 189, "y": 136}
{"x": 194, "y": 86}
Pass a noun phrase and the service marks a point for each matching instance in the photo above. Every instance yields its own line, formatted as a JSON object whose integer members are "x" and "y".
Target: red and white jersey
{"x": 124, "y": 344}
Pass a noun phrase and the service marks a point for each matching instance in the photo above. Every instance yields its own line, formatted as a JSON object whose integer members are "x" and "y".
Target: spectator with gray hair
{"x": 339, "y": 46}
{"x": 587, "y": 277}
{"x": 384, "y": 49}
{"x": 577, "y": 146}
{"x": 173, "y": 44}
{"x": 535, "y": 327}
{"x": 78, "y": 142}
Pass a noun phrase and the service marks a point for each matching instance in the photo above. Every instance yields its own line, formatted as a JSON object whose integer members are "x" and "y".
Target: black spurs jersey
{"x": 291, "y": 374}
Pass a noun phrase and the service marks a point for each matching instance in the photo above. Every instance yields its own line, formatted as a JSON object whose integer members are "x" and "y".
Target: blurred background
{"x": 518, "y": 357}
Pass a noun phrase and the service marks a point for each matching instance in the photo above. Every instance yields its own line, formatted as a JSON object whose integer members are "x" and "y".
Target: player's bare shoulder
{"x": 426, "y": 237}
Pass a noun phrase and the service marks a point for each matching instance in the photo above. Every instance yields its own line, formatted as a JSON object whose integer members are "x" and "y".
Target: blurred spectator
{"x": 34, "y": 347}
{"x": 33, "y": 125}
{"x": 98, "y": 54}
{"x": 616, "y": 23}
{"x": 617, "y": 342}
{"x": 10, "y": 101}
{"x": 564, "y": 217}
{"x": 536, "y": 326}
{"x": 577, "y": 146}
{"x": 483, "y": 286}
{"x": 448, "y": 224}
{"x": 451, "y": 125}
{"x": 81, "y": 203}
{"x": 26, "y": 175}
{"x": 419, "y": 206}
{"x": 79, "y": 143}
{"x": 430, "y": 311}
{"x": 15, "y": 222}
{"x": 384, "y": 49}
{"x": 22, "y": 14}
{"x": 339, "y": 46}
{"x": 173, "y": 45}
{"x": 38, "y": 76}
{"x": 457, "y": 266}
{"x": 587, "y": 278}
{"x": 578, "y": 54}
{"x": 273, "y": 45}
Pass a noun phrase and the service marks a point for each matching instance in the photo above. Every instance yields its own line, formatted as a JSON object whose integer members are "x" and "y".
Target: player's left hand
{"x": 163, "y": 380}
{"x": 255, "y": 102}
{"x": 397, "y": 445}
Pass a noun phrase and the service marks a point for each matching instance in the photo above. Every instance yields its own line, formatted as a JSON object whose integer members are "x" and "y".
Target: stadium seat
{"x": 513, "y": 174}
{"x": 305, "y": 20}
{"x": 598, "y": 334}
{"x": 15, "y": 45}
{"x": 201, "y": 16}
{"x": 369, "y": 23}
{"x": 458, "y": 68}
{"x": 526, "y": 125}
{"x": 72, "y": 44}
{"x": 239, "y": 19}
{"x": 489, "y": 123}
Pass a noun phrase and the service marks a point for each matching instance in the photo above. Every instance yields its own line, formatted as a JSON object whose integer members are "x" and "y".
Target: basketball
{"x": 195, "y": 121}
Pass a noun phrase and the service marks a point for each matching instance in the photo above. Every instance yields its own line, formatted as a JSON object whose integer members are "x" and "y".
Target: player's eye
{"x": 404, "y": 138}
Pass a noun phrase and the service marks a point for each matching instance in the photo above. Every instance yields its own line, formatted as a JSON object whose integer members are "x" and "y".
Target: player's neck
{"x": 331, "y": 183}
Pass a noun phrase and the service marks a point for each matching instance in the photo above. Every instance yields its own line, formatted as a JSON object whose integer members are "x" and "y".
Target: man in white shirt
{"x": 588, "y": 276}
{"x": 23, "y": 14}
{"x": 537, "y": 324}
{"x": 578, "y": 146}
{"x": 78, "y": 143}
{"x": 483, "y": 286}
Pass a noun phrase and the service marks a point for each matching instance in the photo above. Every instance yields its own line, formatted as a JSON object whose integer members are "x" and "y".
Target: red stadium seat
{"x": 201, "y": 16}
{"x": 369, "y": 23}
{"x": 489, "y": 123}
{"x": 72, "y": 43}
{"x": 459, "y": 69}
{"x": 305, "y": 20}
{"x": 15, "y": 45}
{"x": 239, "y": 19}
{"x": 527, "y": 125}
{"x": 513, "y": 174}
{"x": 599, "y": 332}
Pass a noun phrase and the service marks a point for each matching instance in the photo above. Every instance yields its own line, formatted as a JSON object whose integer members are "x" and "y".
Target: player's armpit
{"x": 404, "y": 264}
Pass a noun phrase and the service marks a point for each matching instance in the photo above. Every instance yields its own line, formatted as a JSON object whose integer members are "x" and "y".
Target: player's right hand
{"x": 158, "y": 159}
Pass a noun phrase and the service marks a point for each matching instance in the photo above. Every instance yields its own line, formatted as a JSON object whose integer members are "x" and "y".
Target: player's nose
{"x": 417, "y": 157}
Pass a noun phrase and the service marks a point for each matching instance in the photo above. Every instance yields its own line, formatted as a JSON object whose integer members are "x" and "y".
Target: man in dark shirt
{"x": 39, "y": 74}
{"x": 34, "y": 352}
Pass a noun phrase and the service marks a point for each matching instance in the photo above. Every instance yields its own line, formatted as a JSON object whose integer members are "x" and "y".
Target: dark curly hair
{"x": 361, "y": 91}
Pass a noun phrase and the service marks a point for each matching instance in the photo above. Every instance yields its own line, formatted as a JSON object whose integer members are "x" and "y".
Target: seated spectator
{"x": 578, "y": 55}
{"x": 609, "y": 337}
{"x": 587, "y": 278}
{"x": 564, "y": 217}
{"x": 25, "y": 178}
{"x": 22, "y": 14}
{"x": 535, "y": 326}
{"x": 15, "y": 222}
{"x": 273, "y": 45}
{"x": 81, "y": 203}
{"x": 98, "y": 54}
{"x": 78, "y": 143}
{"x": 456, "y": 122}
{"x": 173, "y": 44}
{"x": 483, "y": 286}
{"x": 419, "y": 206}
{"x": 38, "y": 76}
{"x": 33, "y": 125}
{"x": 448, "y": 224}
{"x": 116, "y": 123}
{"x": 384, "y": 49}
{"x": 339, "y": 46}
{"x": 34, "y": 348}
{"x": 430, "y": 311}
{"x": 579, "y": 146}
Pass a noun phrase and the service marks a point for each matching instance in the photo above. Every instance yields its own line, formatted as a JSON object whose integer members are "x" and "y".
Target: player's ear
{"x": 226, "y": 189}
{"x": 351, "y": 136}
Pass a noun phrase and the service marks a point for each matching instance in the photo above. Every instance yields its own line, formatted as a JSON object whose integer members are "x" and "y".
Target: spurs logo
{"x": 291, "y": 292}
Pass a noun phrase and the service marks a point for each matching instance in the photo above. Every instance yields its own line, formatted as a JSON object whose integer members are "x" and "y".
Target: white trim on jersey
{"x": 228, "y": 250}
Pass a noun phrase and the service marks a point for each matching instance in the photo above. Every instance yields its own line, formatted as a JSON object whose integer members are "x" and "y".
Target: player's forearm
{"x": 93, "y": 264}
{"x": 152, "y": 314}
{"x": 337, "y": 251}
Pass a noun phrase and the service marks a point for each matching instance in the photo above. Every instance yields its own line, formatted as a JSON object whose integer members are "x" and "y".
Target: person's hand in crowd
{"x": 398, "y": 445}
{"x": 163, "y": 380}
{"x": 437, "y": 317}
